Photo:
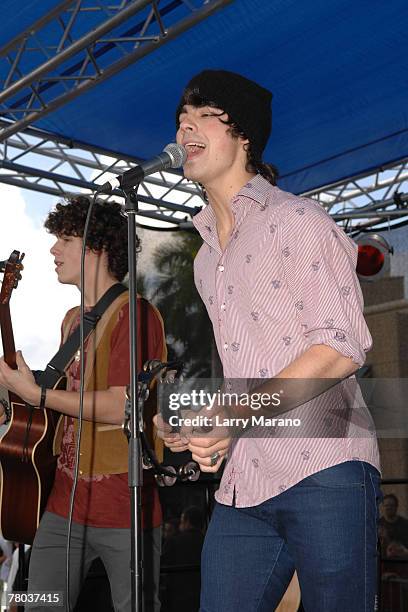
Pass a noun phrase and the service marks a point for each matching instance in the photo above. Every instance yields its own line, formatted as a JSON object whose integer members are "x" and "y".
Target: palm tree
{"x": 189, "y": 332}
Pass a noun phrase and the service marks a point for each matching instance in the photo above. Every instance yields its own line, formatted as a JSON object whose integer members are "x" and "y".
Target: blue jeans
{"x": 325, "y": 527}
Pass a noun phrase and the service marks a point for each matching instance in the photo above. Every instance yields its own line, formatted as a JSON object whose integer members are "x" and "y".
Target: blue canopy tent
{"x": 338, "y": 72}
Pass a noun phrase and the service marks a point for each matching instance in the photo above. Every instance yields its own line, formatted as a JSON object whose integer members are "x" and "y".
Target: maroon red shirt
{"x": 104, "y": 501}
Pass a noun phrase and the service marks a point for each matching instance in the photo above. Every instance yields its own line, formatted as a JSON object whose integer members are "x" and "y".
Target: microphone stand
{"x": 135, "y": 426}
{"x": 135, "y": 477}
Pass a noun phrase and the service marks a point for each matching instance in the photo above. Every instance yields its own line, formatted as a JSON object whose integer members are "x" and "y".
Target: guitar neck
{"x": 9, "y": 348}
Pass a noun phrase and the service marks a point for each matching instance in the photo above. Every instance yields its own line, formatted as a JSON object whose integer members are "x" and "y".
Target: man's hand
{"x": 208, "y": 444}
{"x": 209, "y": 452}
{"x": 172, "y": 440}
{"x": 20, "y": 381}
{"x": 208, "y": 449}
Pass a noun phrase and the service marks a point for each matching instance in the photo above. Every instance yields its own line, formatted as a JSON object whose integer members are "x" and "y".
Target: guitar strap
{"x": 55, "y": 368}
{"x": 143, "y": 326}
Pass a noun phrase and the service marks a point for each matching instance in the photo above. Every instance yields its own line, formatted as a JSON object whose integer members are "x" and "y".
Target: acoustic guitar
{"x": 27, "y": 460}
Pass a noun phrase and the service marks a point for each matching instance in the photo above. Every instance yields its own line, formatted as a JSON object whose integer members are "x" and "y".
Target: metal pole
{"x": 135, "y": 449}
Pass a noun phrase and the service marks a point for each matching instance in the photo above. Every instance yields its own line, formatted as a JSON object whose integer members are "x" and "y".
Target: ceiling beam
{"x": 67, "y": 66}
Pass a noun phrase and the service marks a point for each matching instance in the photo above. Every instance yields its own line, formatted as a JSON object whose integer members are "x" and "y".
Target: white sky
{"x": 39, "y": 302}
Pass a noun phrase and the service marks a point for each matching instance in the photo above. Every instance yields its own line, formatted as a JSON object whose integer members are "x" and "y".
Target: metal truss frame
{"x": 80, "y": 43}
{"x": 37, "y": 160}
{"x": 370, "y": 200}
{"x": 83, "y": 42}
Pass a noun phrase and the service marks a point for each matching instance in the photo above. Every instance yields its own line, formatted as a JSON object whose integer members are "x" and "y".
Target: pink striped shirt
{"x": 285, "y": 281}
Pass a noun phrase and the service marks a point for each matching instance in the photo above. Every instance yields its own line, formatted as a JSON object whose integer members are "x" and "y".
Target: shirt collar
{"x": 256, "y": 190}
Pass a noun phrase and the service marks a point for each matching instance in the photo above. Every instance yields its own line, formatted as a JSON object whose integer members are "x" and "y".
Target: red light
{"x": 370, "y": 260}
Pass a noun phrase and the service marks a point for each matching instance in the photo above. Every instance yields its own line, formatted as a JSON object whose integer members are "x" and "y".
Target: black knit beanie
{"x": 247, "y": 103}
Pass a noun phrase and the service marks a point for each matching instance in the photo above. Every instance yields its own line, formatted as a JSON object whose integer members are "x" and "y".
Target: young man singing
{"x": 278, "y": 279}
{"x": 101, "y": 519}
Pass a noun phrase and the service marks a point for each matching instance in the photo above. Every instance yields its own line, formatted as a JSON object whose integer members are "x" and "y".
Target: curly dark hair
{"x": 254, "y": 158}
{"x": 107, "y": 228}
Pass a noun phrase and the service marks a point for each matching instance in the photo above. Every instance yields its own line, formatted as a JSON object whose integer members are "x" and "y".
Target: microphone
{"x": 173, "y": 156}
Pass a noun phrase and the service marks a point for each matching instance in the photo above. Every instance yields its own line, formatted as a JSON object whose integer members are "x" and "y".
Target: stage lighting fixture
{"x": 373, "y": 257}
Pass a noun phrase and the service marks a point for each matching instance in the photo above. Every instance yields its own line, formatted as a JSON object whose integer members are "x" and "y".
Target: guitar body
{"x": 27, "y": 449}
{"x": 27, "y": 467}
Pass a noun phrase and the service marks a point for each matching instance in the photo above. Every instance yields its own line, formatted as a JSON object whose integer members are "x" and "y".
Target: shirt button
{"x": 221, "y": 268}
{"x": 225, "y": 345}
{"x": 223, "y": 306}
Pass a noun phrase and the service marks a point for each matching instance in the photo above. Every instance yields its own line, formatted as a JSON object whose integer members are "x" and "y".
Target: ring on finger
{"x": 214, "y": 458}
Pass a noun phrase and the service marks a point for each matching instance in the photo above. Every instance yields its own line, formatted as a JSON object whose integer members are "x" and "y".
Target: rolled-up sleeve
{"x": 319, "y": 263}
